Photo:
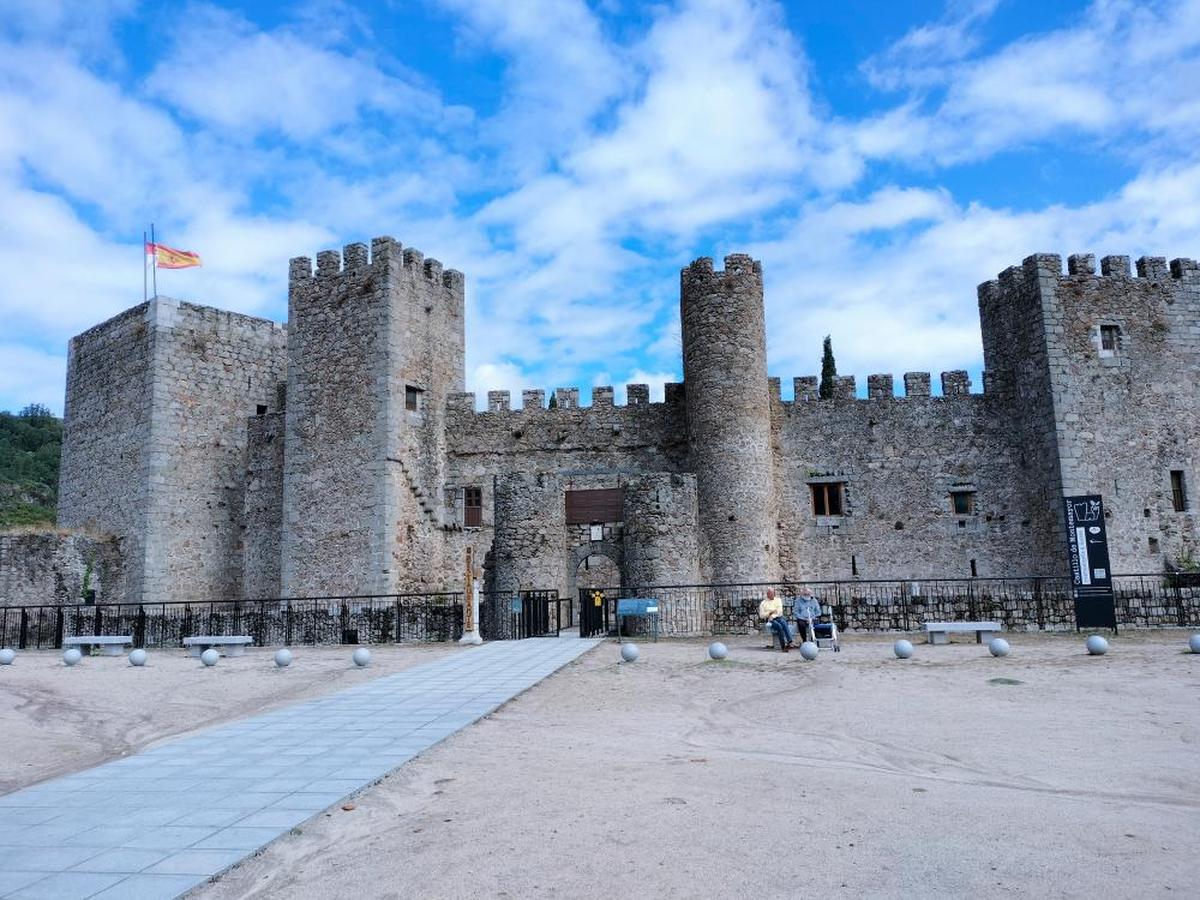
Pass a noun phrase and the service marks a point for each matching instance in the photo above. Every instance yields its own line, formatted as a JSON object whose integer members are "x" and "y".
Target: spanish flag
{"x": 169, "y": 258}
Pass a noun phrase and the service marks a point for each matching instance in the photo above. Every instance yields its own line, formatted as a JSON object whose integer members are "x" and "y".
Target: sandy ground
{"x": 1047, "y": 774}
{"x": 55, "y": 719}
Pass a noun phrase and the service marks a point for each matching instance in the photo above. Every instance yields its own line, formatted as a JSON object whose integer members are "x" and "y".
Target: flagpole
{"x": 144, "y": 297}
{"x": 154, "y": 244}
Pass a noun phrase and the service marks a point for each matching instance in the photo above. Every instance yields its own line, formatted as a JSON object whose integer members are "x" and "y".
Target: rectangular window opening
{"x": 827, "y": 498}
{"x": 963, "y": 502}
{"x": 1110, "y": 339}
{"x": 1178, "y": 490}
{"x": 412, "y": 397}
{"x": 260, "y": 409}
{"x": 472, "y": 507}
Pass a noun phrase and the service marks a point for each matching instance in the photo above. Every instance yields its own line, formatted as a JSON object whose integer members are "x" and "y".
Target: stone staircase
{"x": 432, "y": 512}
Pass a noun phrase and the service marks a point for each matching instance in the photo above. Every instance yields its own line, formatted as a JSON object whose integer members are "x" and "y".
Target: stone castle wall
{"x": 49, "y": 568}
{"x": 262, "y": 507}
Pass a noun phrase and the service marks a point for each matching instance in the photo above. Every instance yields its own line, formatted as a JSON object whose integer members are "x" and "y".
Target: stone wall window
{"x": 1110, "y": 340}
{"x": 472, "y": 507}
{"x": 412, "y": 398}
{"x": 962, "y": 503}
{"x": 1178, "y": 490}
{"x": 828, "y": 497}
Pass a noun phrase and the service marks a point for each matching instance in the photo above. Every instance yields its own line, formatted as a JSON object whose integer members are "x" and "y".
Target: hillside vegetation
{"x": 30, "y": 443}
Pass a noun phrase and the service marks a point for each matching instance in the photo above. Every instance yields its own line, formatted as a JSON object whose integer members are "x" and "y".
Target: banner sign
{"x": 1091, "y": 576}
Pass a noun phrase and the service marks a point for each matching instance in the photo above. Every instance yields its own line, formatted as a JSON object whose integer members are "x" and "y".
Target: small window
{"x": 827, "y": 498}
{"x": 261, "y": 409}
{"x": 963, "y": 503}
{"x": 1178, "y": 490}
{"x": 412, "y": 397}
{"x": 472, "y": 507}
{"x": 1110, "y": 339}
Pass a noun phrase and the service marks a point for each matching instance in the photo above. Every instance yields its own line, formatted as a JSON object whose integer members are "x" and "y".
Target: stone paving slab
{"x": 156, "y": 824}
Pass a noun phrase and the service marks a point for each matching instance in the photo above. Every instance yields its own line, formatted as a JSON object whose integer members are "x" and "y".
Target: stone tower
{"x": 729, "y": 418}
{"x": 375, "y": 347}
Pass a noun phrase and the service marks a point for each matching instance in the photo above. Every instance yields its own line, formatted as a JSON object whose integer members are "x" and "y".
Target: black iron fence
{"x": 306, "y": 620}
{"x": 381, "y": 619}
{"x": 1020, "y": 604}
{"x": 513, "y": 615}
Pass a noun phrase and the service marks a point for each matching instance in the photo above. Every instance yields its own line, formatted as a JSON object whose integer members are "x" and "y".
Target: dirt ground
{"x": 1046, "y": 774}
{"x": 55, "y": 719}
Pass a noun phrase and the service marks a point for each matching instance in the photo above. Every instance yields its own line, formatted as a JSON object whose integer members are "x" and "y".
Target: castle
{"x": 338, "y": 455}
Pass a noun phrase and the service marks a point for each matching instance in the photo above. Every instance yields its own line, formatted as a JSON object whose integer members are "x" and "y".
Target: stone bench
{"x": 939, "y": 632}
{"x": 109, "y": 644}
{"x": 226, "y": 645}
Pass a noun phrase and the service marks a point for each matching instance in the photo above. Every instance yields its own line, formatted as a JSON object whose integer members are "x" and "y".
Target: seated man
{"x": 808, "y": 614}
{"x": 771, "y": 609}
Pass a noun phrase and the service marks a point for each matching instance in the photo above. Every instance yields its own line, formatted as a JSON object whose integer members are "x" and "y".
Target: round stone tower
{"x": 729, "y": 417}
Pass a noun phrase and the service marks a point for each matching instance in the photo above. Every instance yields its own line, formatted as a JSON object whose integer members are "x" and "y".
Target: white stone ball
{"x": 903, "y": 649}
{"x": 629, "y": 652}
{"x": 7, "y": 656}
{"x": 809, "y": 650}
{"x": 137, "y": 657}
{"x": 1096, "y": 645}
{"x": 361, "y": 657}
{"x": 717, "y": 650}
{"x": 71, "y": 656}
{"x": 998, "y": 647}
{"x": 1193, "y": 643}
{"x": 209, "y": 657}
{"x": 283, "y": 658}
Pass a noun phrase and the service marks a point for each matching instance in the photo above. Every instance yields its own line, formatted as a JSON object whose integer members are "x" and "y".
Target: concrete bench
{"x": 226, "y": 645}
{"x": 939, "y": 632}
{"x": 109, "y": 644}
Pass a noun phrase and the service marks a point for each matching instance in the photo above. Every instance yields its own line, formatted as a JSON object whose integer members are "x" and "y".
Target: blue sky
{"x": 881, "y": 159}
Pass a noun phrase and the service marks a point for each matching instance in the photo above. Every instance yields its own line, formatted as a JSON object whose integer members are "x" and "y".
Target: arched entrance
{"x": 596, "y": 564}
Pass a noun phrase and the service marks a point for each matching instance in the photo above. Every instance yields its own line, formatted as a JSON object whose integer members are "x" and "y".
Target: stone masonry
{"x": 234, "y": 458}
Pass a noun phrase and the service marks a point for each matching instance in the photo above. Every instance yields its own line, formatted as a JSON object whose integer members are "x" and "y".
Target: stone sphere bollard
{"x": 283, "y": 658}
{"x": 7, "y": 656}
{"x": 361, "y": 657}
{"x": 998, "y": 647}
{"x": 71, "y": 656}
{"x": 1096, "y": 645}
{"x": 209, "y": 657}
{"x": 903, "y": 649}
{"x": 629, "y": 652}
{"x": 717, "y": 650}
{"x": 1193, "y": 643}
{"x": 137, "y": 657}
{"x": 809, "y": 650}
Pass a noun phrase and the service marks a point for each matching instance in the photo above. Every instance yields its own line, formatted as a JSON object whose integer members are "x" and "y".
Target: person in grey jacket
{"x": 807, "y": 608}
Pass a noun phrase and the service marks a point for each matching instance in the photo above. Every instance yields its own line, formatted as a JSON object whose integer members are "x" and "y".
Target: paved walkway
{"x": 158, "y": 823}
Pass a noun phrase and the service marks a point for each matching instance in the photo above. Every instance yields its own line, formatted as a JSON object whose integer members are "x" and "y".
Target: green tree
{"x": 30, "y": 445}
{"x": 553, "y": 399}
{"x": 828, "y": 370}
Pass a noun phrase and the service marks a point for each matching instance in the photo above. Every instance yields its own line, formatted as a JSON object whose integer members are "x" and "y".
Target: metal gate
{"x": 594, "y": 614}
{"x": 515, "y": 615}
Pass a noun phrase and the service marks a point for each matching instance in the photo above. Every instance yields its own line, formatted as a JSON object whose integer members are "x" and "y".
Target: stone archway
{"x": 589, "y": 555}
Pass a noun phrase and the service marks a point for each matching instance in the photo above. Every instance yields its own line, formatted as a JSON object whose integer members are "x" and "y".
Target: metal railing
{"x": 513, "y": 615}
{"x": 377, "y": 619}
{"x": 1019, "y": 604}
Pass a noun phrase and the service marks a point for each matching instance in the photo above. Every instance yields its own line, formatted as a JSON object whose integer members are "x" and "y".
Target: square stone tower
{"x": 375, "y": 348}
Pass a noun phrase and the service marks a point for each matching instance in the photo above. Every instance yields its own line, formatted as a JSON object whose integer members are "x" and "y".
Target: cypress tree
{"x": 828, "y": 370}
{"x": 553, "y": 399}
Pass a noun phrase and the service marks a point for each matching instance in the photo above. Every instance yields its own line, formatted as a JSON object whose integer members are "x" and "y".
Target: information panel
{"x": 1091, "y": 577}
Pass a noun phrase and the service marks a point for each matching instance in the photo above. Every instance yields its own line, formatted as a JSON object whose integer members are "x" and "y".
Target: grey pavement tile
{"x": 105, "y": 836}
{"x": 274, "y": 818}
{"x": 197, "y": 862}
{"x": 235, "y": 838}
{"x": 314, "y": 802}
{"x": 170, "y": 837}
{"x": 31, "y": 815}
{"x": 150, "y": 887}
{"x": 217, "y": 816}
{"x": 45, "y": 859}
{"x": 11, "y": 881}
{"x": 66, "y": 886}
{"x": 120, "y": 861}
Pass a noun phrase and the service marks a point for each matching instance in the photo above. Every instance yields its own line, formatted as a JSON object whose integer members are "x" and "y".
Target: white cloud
{"x": 28, "y": 375}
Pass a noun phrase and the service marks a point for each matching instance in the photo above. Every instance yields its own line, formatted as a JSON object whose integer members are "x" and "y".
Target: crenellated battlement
{"x": 917, "y": 385}
{"x": 533, "y": 400}
{"x": 1083, "y": 266}
{"x": 355, "y": 260}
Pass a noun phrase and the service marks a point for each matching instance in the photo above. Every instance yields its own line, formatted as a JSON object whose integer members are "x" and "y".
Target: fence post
{"x": 58, "y": 629}
{"x": 139, "y": 631}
